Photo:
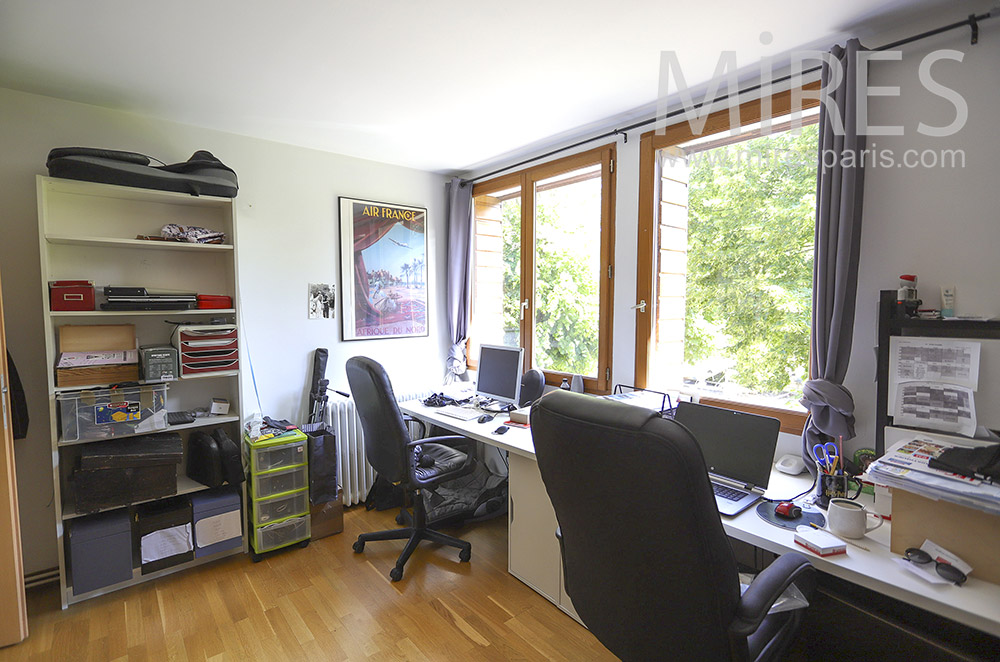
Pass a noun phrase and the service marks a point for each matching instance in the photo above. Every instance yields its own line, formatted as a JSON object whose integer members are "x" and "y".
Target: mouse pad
{"x": 766, "y": 511}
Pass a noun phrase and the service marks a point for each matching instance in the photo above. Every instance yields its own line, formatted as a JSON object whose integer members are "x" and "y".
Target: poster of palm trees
{"x": 383, "y": 253}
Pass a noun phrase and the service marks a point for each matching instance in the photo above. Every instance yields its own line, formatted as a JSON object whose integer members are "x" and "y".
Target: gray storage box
{"x": 218, "y": 521}
{"x": 158, "y": 363}
{"x": 100, "y": 550}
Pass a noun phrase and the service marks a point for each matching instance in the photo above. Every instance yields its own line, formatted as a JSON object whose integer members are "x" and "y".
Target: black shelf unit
{"x": 892, "y": 321}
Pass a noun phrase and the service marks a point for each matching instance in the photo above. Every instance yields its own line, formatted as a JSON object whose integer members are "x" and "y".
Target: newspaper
{"x": 905, "y": 466}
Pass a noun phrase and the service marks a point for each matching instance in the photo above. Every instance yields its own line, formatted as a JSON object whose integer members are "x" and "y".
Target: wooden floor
{"x": 319, "y": 603}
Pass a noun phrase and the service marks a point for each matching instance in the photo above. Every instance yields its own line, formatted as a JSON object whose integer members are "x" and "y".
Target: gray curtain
{"x": 835, "y": 272}
{"x": 459, "y": 275}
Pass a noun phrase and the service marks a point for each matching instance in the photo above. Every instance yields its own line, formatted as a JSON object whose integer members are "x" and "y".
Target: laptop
{"x": 738, "y": 448}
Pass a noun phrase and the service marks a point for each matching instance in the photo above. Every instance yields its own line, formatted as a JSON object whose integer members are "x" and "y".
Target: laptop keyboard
{"x": 727, "y": 493}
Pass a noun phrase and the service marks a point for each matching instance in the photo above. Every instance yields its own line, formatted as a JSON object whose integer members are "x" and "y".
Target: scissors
{"x": 826, "y": 455}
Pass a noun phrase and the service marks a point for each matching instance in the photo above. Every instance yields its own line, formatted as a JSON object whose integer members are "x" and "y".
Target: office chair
{"x": 645, "y": 559}
{"x": 399, "y": 459}
{"x": 532, "y": 386}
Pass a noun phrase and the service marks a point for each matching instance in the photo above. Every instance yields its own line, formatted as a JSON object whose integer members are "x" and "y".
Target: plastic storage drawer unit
{"x": 105, "y": 413}
{"x": 218, "y": 521}
{"x": 279, "y": 491}
{"x": 281, "y": 534}
{"x": 280, "y": 507}
{"x": 100, "y": 550}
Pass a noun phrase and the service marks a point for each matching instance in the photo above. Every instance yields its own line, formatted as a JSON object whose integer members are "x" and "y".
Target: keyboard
{"x": 728, "y": 493}
{"x": 461, "y": 413}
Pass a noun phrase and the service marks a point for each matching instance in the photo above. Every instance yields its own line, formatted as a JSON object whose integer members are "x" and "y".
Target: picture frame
{"x": 383, "y": 262}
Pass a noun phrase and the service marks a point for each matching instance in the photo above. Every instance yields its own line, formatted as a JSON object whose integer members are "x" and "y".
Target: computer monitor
{"x": 499, "y": 376}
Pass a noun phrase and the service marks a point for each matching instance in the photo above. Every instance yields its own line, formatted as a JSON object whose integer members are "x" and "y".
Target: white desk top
{"x": 516, "y": 440}
{"x": 976, "y": 603}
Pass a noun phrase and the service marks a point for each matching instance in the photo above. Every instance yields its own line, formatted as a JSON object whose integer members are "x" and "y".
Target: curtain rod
{"x": 972, "y": 22}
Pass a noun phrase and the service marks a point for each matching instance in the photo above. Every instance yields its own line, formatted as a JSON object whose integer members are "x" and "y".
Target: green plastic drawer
{"x": 280, "y": 507}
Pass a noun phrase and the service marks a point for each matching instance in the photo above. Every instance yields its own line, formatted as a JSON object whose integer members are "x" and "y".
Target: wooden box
{"x": 971, "y": 534}
{"x": 97, "y": 338}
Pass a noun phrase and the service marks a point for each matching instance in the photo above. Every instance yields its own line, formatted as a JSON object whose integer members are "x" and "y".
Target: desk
{"x": 534, "y": 552}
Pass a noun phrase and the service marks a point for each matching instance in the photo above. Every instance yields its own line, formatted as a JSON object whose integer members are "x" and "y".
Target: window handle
{"x": 641, "y": 306}
{"x": 524, "y": 306}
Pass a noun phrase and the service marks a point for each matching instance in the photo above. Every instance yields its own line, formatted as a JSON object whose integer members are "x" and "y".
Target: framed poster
{"x": 383, "y": 253}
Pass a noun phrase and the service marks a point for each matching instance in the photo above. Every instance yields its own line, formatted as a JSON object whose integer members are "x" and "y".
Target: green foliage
{"x": 751, "y": 223}
{"x": 566, "y": 292}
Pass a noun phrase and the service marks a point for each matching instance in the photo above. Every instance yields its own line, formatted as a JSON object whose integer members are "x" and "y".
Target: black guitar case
{"x": 202, "y": 174}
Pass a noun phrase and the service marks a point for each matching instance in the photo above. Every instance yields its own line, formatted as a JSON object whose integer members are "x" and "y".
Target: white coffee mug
{"x": 849, "y": 519}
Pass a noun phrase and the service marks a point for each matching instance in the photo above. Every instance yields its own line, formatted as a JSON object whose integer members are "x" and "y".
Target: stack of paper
{"x": 904, "y": 465}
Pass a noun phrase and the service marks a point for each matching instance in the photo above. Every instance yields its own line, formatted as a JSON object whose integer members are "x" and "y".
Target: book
{"x": 819, "y": 542}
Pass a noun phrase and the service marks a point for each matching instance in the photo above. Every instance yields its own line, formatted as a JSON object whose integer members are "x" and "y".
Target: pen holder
{"x": 836, "y": 486}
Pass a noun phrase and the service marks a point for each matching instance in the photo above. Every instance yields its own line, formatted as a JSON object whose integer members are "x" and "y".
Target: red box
{"x": 71, "y": 295}
{"x": 213, "y": 301}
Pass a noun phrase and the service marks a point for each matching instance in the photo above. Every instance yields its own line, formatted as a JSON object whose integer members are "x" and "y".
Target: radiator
{"x": 356, "y": 475}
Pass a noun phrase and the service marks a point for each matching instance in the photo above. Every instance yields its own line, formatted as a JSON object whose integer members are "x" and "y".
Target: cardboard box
{"x": 102, "y": 342}
{"x": 971, "y": 534}
{"x": 326, "y": 518}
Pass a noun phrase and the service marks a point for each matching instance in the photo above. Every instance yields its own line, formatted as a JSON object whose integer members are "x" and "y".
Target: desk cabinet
{"x": 533, "y": 551}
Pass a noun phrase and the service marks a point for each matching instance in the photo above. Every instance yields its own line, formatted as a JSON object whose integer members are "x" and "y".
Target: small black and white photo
{"x": 321, "y": 301}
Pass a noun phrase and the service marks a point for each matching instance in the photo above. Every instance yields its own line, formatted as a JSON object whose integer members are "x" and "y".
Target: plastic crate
{"x": 280, "y": 507}
{"x": 281, "y": 534}
{"x": 277, "y": 482}
{"x": 106, "y": 413}
{"x": 276, "y": 457}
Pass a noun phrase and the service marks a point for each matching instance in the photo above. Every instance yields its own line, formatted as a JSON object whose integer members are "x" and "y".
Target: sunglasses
{"x": 945, "y": 570}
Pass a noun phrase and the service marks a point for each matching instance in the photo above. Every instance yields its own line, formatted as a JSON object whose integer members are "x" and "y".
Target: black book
{"x": 149, "y": 305}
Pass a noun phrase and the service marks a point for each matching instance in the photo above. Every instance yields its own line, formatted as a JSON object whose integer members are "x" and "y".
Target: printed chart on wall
{"x": 383, "y": 253}
{"x": 932, "y": 383}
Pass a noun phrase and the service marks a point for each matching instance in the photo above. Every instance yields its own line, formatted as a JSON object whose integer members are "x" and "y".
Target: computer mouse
{"x": 787, "y": 510}
{"x": 485, "y": 418}
{"x": 500, "y": 430}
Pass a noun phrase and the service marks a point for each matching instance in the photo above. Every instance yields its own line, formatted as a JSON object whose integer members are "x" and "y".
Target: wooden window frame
{"x": 526, "y": 179}
{"x": 650, "y": 142}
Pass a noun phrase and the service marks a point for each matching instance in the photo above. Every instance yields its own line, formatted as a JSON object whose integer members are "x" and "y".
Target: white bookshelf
{"x": 88, "y": 231}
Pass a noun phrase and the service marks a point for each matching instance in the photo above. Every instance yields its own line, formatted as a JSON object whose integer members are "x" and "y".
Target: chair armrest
{"x": 463, "y": 444}
{"x": 412, "y": 419}
{"x": 765, "y": 590}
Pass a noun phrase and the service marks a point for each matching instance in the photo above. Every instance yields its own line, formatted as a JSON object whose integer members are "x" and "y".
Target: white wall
{"x": 287, "y": 218}
{"x": 941, "y": 224}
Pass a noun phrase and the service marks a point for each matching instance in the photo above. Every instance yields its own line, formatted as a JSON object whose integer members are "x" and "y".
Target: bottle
{"x": 565, "y": 384}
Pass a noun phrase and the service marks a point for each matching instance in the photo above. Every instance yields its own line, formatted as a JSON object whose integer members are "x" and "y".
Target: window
{"x": 725, "y": 261}
{"x": 543, "y": 277}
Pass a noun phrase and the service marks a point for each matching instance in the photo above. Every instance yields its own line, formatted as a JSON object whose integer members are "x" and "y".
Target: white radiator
{"x": 356, "y": 475}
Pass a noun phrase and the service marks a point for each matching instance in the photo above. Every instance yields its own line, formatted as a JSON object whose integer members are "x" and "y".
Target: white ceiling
{"x": 430, "y": 84}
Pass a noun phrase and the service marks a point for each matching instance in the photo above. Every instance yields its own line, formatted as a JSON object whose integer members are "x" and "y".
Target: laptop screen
{"x": 736, "y": 445}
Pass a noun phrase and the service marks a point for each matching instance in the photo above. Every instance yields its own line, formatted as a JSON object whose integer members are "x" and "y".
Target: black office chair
{"x": 645, "y": 559}
{"x": 532, "y": 387}
{"x": 398, "y": 459}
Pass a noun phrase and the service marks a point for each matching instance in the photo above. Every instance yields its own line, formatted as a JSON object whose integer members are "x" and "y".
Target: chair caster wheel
{"x": 396, "y": 574}
{"x": 465, "y": 555}
{"x": 359, "y": 546}
{"x": 401, "y": 519}
{"x": 304, "y": 544}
